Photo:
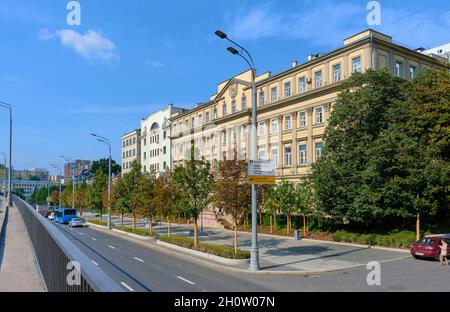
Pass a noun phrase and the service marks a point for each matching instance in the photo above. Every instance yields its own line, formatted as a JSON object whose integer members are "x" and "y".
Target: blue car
{"x": 64, "y": 216}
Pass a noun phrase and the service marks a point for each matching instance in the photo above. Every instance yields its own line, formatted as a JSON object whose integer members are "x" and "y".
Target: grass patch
{"x": 403, "y": 239}
{"x": 98, "y": 222}
{"x": 137, "y": 231}
{"x": 216, "y": 250}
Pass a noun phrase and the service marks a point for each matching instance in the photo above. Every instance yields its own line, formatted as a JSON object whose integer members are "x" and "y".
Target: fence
{"x": 55, "y": 253}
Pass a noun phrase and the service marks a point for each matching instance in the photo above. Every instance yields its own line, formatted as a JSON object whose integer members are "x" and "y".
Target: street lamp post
{"x": 70, "y": 160}
{"x": 60, "y": 175}
{"x": 4, "y": 176}
{"x": 108, "y": 143}
{"x": 254, "y": 256}
{"x": 8, "y": 106}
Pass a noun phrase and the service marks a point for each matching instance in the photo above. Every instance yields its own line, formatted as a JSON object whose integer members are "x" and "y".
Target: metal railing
{"x": 55, "y": 255}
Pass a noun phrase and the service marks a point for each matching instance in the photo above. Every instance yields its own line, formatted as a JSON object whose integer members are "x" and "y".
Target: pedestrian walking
{"x": 443, "y": 256}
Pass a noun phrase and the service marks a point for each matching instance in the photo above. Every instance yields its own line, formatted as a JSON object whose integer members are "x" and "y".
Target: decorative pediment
{"x": 232, "y": 87}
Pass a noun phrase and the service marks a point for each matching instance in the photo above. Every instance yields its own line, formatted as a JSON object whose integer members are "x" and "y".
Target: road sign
{"x": 261, "y": 180}
{"x": 261, "y": 172}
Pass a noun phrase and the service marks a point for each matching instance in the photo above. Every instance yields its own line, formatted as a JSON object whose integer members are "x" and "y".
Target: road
{"x": 139, "y": 267}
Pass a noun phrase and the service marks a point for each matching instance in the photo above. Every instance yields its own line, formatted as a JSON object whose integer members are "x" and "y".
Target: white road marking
{"x": 185, "y": 280}
{"x": 126, "y": 286}
{"x": 94, "y": 262}
{"x": 80, "y": 233}
{"x": 140, "y": 260}
{"x": 112, "y": 247}
{"x": 94, "y": 239}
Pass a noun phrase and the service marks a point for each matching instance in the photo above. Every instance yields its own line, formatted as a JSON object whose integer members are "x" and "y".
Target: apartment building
{"x": 130, "y": 149}
{"x": 155, "y": 141}
{"x": 294, "y": 106}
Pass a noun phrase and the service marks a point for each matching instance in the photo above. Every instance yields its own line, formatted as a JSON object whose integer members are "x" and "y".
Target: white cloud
{"x": 326, "y": 23}
{"x": 154, "y": 64}
{"x": 91, "y": 45}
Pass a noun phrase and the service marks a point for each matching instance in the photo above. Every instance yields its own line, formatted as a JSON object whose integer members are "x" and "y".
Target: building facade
{"x": 25, "y": 187}
{"x": 156, "y": 151}
{"x": 294, "y": 106}
{"x": 41, "y": 174}
{"x": 79, "y": 168}
{"x": 131, "y": 149}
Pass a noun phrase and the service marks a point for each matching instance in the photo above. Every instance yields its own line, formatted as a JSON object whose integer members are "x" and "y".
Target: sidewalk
{"x": 18, "y": 269}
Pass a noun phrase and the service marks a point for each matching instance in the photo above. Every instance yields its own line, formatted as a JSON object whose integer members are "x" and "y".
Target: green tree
{"x": 67, "y": 195}
{"x": 95, "y": 192}
{"x": 166, "y": 198}
{"x": 103, "y": 164}
{"x": 304, "y": 201}
{"x": 195, "y": 184}
{"x": 81, "y": 197}
{"x": 271, "y": 207}
{"x": 232, "y": 192}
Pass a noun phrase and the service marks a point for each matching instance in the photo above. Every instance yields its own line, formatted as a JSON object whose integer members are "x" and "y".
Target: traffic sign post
{"x": 261, "y": 172}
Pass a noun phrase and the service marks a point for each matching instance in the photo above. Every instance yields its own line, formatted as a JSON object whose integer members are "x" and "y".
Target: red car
{"x": 429, "y": 247}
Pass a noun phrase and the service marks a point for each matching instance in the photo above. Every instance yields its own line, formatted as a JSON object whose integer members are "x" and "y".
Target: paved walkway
{"x": 18, "y": 269}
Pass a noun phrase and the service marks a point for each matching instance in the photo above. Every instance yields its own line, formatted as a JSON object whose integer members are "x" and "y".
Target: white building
{"x": 442, "y": 51}
{"x": 155, "y": 140}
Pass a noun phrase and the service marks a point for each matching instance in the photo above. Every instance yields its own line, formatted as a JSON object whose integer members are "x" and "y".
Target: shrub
{"x": 98, "y": 222}
{"x": 402, "y": 239}
{"x": 217, "y": 250}
{"x": 137, "y": 231}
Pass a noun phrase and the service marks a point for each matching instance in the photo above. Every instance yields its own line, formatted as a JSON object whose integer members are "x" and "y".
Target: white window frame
{"x": 274, "y": 94}
{"x": 318, "y": 79}
{"x": 274, "y": 125}
{"x": 302, "y": 119}
{"x": 287, "y": 157}
{"x": 356, "y": 66}
{"x": 287, "y": 89}
{"x": 319, "y": 115}
{"x": 303, "y": 153}
{"x": 287, "y": 122}
{"x": 302, "y": 84}
{"x": 337, "y": 72}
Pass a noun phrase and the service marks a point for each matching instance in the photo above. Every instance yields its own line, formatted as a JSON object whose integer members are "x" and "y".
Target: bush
{"x": 402, "y": 239}
{"x": 217, "y": 250}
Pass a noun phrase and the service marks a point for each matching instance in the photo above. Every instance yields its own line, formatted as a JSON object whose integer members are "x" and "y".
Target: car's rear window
{"x": 427, "y": 241}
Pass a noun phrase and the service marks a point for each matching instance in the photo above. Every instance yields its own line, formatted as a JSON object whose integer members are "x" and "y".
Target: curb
{"x": 204, "y": 255}
{"x": 4, "y": 212}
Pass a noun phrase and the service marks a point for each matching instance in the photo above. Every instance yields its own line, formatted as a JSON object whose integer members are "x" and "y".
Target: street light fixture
{"x": 9, "y": 106}
{"x": 108, "y": 143}
{"x": 60, "y": 182}
{"x": 254, "y": 257}
{"x": 70, "y": 160}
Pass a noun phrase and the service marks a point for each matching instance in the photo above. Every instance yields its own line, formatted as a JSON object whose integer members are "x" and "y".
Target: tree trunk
{"x": 121, "y": 219}
{"x": 150, "y": 225}
{"x": 169, "y": 232}
{"x": 304, "y": 226}
{"x": 274, "y": 221}
{"x": 271, "y": 224}
{"x": 235, "y": 238}
{"x": 195, "y": 233}
{"x": 418, "y": 227}
{"x": 287, "y": 225}
{"x": 134, "y": 221}
{"x": 260, "y": 220}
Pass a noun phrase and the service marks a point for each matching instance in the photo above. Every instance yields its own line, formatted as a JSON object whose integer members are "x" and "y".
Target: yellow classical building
{"x": 293, "y": 106}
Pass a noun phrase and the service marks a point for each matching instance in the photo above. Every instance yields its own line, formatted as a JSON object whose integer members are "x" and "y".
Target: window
{"x": 193, "y": 122}
{"x": 303, "y": 119}
{"x": 302, "y": 84}
{"x": 165, "y": 135}
{"x": 165, "y": 150}
{"x": 319, "y": 148}
{"x": 244, "y": 103}
{"x": 200, "y": 119}
{"x": 233, "y": 107}
{"x": 262, "y": 128}
{"x": 287, "y": 121}
{"x": 207, "y": 117}
{"x": 274, "y": 156}
{"x": 287, "y": 89}
{"x": 261, "y": 98}
{"x": 399, "y": 69}
{"x": 224, "y": 109}
{"x": 302, "y": 153}
{"x": 274, "y": 94}
{"x": 337, "y": 72}
{"x": 288, "y": 156}
{"x": 164, "y": 165}
{"x": 274, "y": 124}
{"x": 356, "y": 64}
{"x": 412, "y": 72}
{"x": 145, "y": 141}
{"x": 262, "y": 154}
{"x": 145, "y": 155}
{"x": 319, "y": 115}
{"x": 215, "y": 112}
{"x": 318, "y": 76}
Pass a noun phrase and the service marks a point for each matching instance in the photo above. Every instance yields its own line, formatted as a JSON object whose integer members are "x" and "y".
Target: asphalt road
{"x": 139, "y": 267}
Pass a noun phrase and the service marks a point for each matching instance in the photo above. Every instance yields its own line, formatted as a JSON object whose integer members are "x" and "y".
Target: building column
{"x": 294, "y": 141}
{"x": 238, "y": 130}
{"x": 228, "y": 142}
{"x": 327, "y": 108}
{"x": 267, "y": 147}
{"x": 310, "y": 147}
{"x": 280, "y": 144}
{"x": 219, "y": 143}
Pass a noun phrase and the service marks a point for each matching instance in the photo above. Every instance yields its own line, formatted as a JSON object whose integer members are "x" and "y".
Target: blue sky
{"x": 130, "y": 58}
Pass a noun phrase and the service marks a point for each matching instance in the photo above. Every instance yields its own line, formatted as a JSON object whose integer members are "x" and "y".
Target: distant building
{"x": 26, "y": 187}
{"x": 55, "y": 178}
{"x": 79, "y": 167}
{"x": 27, "y": 174}
{"x": 156, "y": 149}
{"x": 442, "y": 51}
{"x": 130, "y": 150}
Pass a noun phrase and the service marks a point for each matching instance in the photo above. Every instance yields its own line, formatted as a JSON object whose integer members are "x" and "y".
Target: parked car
{"x": 51, "y": 216}
{"x": 428, "y": 247}
{"x": 45, "y": 213}
{"x": 77, "y": 222}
